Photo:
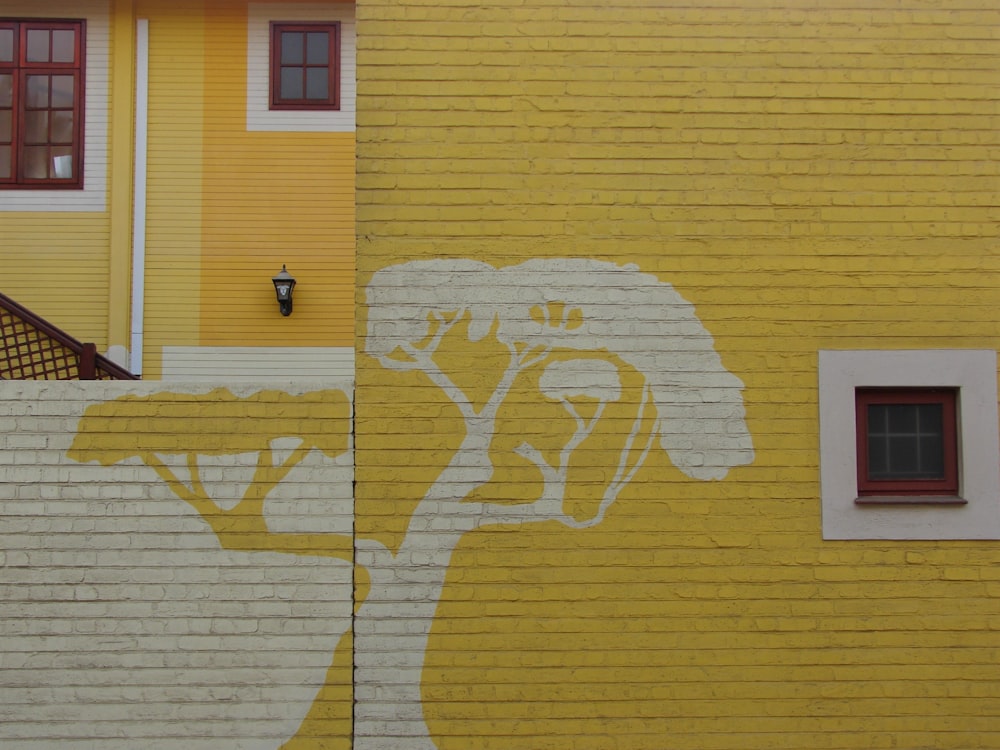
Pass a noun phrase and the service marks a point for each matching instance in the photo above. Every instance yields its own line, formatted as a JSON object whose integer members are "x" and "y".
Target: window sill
{"x": 910, "y": 500}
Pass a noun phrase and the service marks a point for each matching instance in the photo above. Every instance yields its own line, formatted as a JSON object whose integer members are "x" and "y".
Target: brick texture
{"x": 125, "y": 623}
{"x": 808, "y": 176}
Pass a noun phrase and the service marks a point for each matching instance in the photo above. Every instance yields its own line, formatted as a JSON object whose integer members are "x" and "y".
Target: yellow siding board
{"x": 176, "y": 72}
{"x": 270, "y": 199}
{"x": 57, "y": 266}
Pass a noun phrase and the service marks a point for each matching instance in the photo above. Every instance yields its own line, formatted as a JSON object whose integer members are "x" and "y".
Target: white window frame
{"x": 260, "y": 116}
{"x": 973, "y": 372}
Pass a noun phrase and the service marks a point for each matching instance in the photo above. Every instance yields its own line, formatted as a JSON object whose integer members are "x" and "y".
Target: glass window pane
{"x": 905, "y": 441}
{"x": 5, "y": 163}
{"x": 317, "y": 48}
{"x": 63, "y": 46}
{"x": 291, "y": 83}
{"x": 877, "y": 457}
{"x": 316, "y": 83}
{"x": 931, "y": 457}
{"x": 291, "y": 47}
{"x": 36, "y": 127}
{"x": 5, "y": 126}
{"x": 38, "y": 92}
{"x": 62, "y": 127}
{"x": 902, "y": 457}
{"x": 6, "y": 90}
{"x": 38, "y": 45}
{"x": 62, "y": 91}
{"x": 902, "y": 417}
{"x": 36, "y": 162}
{"x": 6, "y": 45}
{"x": 877, "y": 419}
{"x": 62, "y": 163}
{"x": 930, "y": 418}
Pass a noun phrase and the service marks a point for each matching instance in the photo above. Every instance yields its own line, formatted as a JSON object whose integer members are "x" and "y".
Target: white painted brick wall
{"x": 124, "y": 623}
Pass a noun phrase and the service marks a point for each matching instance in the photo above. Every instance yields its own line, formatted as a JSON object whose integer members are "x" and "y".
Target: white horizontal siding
{"x": 311, "y": 363}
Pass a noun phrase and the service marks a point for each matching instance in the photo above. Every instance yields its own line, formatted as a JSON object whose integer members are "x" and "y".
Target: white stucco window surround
{"x": 93, "y": 196}
{"x": 259, "y": 115}
{"x": 973, "y": 373}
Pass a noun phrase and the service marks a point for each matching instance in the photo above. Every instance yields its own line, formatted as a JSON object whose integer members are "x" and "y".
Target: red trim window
{"x": 41, "y": 104}
{"x": 305, "y": 66}
{"x": 907, "y": 441}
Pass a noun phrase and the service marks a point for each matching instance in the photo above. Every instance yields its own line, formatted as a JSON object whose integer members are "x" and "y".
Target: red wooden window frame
{"x": 947, "y": 484}
{"x": 20, "y": 68}
{"x": 332, "y": 65}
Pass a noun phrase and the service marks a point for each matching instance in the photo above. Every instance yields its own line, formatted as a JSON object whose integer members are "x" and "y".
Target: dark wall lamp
{"x": 284, "y": 283}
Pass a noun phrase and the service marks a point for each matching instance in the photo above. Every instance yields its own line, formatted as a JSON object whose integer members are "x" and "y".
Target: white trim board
{"x": 309, "y": 363}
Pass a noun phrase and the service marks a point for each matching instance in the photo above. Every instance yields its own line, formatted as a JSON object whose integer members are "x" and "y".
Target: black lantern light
{"x": 284, "y": 282}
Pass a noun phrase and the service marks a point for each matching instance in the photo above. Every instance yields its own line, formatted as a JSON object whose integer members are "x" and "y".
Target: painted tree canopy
{"x": 197, "y": 428}
{"x": 162, "y": 423}
{"x": 582, "y": 305}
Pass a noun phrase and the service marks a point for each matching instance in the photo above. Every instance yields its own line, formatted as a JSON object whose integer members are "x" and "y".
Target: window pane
{"x": 36, "y": 162}
{"x": 62, "y": 91}
{"x": 291, "y": 83}
{"x": 291, "y": 47}
{"x": 38, "y": 45}
{"x": 317, "y": 48}
{"x": 5, "y": 162}
{"x": 63, "y": 46}
{"x": 878, "y": 457}
{"x": 902, "y": 417}
{"x": 930, "y": 418}
{"x": 36, "y": 127}
{"x": 931, "y": 457}
{"x": 5, "y": 126}
{"x": 6, "y": 90}
{"x": 903, "y": 457}
{"x": 6, "y": 45}
{"x": 38, "y": 92}
{"x": 905, "y": 441}
{"x": 316, "y": 83}
{"x": 62, "y": 127}
{"x": 62, "y": 163}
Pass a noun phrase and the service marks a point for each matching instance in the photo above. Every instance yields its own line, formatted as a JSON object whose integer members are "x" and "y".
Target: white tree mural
{"x": 542, "y": 312}
{"x": 586, "y": 336}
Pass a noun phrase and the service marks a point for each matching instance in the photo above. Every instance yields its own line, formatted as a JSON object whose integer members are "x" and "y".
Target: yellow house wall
{"x": 57, "y": 262}
{"x": 225, "y": 207}
{"x": 57, "y": 265}
{"x": 228, "y": 207}
{"x": 270, "y": 198}
{"x": 175, "y": 177}
{"x": 809, "y": 176}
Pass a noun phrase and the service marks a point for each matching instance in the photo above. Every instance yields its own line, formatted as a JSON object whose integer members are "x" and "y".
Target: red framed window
{"x": 305, "y": 66}
{"x": 41, "y": 103}
{"x": 907, "y": 441}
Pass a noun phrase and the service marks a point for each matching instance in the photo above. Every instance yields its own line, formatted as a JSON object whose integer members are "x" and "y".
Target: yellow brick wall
{"x": 809, "y": 176}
